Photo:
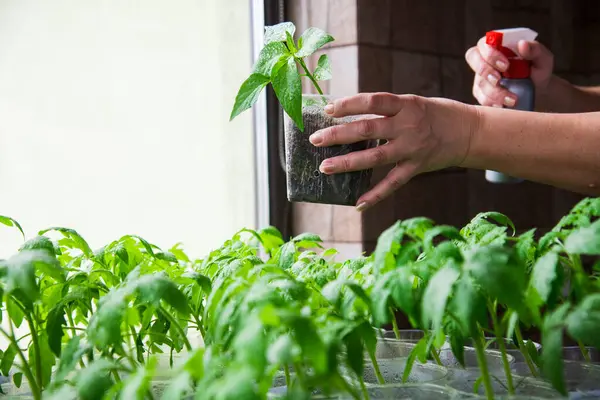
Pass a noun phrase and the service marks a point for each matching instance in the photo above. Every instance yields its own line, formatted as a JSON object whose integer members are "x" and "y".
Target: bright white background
{"x": 114, "y": 120}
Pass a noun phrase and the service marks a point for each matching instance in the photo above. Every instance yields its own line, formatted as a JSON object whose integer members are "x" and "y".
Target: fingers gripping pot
{"x": 305, "y": 183}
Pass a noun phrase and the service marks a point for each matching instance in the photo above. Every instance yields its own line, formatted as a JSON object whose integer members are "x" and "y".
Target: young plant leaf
{"x": 8, "y": 221}
{"x": 495, "y": 268}
{"x": 323, "y": 70}
{"x": 584, "y": 240}
{"x": 544, "y": 274}
{"x": 17, "y": 379}
{"x": 268, "y": 57}
{"x": 248, "y": 94}
{"x": 94, "y": 381}
{"x": 74, "y": 239}
{"x": 278, "y": 33}
{"x": 287, "y": 255}
{"x": 290, "y": 43}
{"x": 312, "y": 40}
{"x": 583, "y": 322}
{"x": 8, "y": 358}
{"x": 552, "y": 342}
{"x": 288, "y": 88}
{"x": 436, "y": 296}
{"x": 468, "y": 305}
{"x": 54, "y": 328}
{"x": 69, "y": 357}
{"x": 420, "y": 352}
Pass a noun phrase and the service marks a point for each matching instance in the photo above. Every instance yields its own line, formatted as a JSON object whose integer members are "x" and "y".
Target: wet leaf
{"x": 277, "y": 33}
{"x": 323, "y": 70}
{"x": 312, "y": 40}
{"x": 8, "y": 221}
{"x": 584, "y": 240}
{"x": 288, "y": 88}
{"x": 583, "y": 322}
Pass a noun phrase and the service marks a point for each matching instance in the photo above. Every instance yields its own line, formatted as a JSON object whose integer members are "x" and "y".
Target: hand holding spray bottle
{"x": 516, "y": 78}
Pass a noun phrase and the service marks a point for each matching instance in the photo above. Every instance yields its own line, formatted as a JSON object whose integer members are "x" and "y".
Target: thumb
{"x": 537, "y": 53}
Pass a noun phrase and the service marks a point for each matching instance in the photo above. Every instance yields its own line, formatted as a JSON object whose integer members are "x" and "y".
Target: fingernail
{"x": 493, "y": 80}
{"x": 509, "y": 101}
{"x": 329, "y": 109}
{"x": 316, "y": 138}
{"x": 326, "y": 167}
{"x": 501, "y": 65}
{"x": 362, "y": 206}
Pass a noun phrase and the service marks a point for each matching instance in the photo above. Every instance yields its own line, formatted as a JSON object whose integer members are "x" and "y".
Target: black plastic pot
{"x": 305, "y": 183}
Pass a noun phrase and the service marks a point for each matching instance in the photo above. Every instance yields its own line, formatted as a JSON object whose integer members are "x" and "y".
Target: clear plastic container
{"x": 511, "y": 348}
{"x": 392, "y": 371}
{"x": 305, "y": 182}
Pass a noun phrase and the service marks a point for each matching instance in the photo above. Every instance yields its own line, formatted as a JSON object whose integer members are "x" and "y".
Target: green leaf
{"x": 248, "y": 94}
{"x": 436, "y": 296}
{"x": 312, "y": 40}
{"x": 468, "y": 305}
{"x": 552, "y": 352}
{"x": 307, "y": 237}
{"x": 76, "y": 240}
{"x": 104, "y": 328}
{"x": 54, "y": 328}
{"x": 94, "y": 381}
{"x": 400, "y": 283}
{"x": 584, "y": 240}
{"x": 499, "y": 218}
{"x": 287, "y": 255}
{"x": 282, "y": 351}
{"x": 278, "y": 33}
{"x": 8, "y": 358}
{"x": 583, "y": 322}
{"x": 323, "y": 70}
{"x": 311, "y": 344}
{"x": 544, "y": 274}
{"x": 495, "y": 268}
{"x": 69, "y": 358}
{"x": 457, "y": 344}
{"x": 387, "y": 242}
{"x": 420, "y": 352}
{"x": 8, "y": 221}
{"x": 355, "y": 352}
{"x": 137, "y": 385}
{"x": 269, "y": 56}
{"x": 18, "y": 378}
{"x": 447, "y": 231}
{"x": 290, "y": 43}
{"x": 20, "y": 274}
{"x": 288, "y": 88}
{"x": 152, "y": 289}
{"x": 39, "y": 243}
{"x": 46, "y": 357}
{"x": 16, "y": 314}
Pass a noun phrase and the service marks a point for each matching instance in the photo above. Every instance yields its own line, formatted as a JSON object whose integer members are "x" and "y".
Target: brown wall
{"x": 418, "y": 46}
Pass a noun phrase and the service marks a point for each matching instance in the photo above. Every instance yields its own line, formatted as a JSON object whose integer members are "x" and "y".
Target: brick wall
{"x": 418, "y": 46}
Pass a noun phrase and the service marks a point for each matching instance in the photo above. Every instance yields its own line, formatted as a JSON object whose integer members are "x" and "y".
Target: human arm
{"x": 553, "y": 94}
{"x": 427, "y": 134}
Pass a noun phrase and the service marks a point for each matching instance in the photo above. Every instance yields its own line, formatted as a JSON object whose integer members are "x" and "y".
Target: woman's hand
{"x": 422, "y": 134}
{"x": 487, "y": 63}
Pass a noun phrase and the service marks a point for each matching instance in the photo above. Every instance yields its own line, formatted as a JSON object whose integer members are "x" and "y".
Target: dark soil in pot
{"x": 305, "y": 183}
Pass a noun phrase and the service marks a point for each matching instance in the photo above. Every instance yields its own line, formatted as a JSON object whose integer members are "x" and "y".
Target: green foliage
{"x": 114, "y": 322}
{"x": 278, "y": 63}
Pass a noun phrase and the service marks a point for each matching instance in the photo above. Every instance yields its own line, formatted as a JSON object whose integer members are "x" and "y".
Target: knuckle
{"x": 379, "y": 156}
{"x": 396, "y": 182}
{"x": 346, "y": 164}
{"x": 332, "y": 135}
{"x": 375, "y": 100}
{"x": 367, "y": 128}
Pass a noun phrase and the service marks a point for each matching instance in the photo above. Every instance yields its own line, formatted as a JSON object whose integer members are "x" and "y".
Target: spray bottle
{"x": 515, "y": 79}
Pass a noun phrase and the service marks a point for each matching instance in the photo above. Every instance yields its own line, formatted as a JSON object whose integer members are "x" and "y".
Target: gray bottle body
{"x": 525, "y": 92}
